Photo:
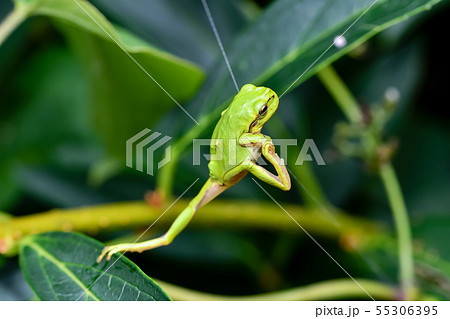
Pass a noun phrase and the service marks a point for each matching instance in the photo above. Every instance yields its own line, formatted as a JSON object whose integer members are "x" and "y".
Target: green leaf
{"x": 62, "y": 266}
{"x": 125, "y": 99}
{"x": 290, "y": 37}
{"x": 27, "y": 132}
{"x": 179, "y": 27}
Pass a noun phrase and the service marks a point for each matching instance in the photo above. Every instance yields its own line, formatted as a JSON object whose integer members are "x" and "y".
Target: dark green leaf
{"x": 289, "y": 38}
{"x": 180, "y": 27}
{"x": 431, "y": 237}
{"x": 62, "y": 266}
{"x": 28, "y": 134}
{"x": 125, "y": 99}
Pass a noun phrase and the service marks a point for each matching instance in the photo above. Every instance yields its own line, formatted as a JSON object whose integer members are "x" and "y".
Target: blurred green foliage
{"x": 70, "y": 97}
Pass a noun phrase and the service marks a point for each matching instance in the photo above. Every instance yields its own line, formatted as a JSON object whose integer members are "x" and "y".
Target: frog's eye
{"x": 263, "y": 110}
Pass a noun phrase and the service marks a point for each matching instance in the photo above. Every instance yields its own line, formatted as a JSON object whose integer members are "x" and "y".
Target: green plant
{"x": 102, "y": 84}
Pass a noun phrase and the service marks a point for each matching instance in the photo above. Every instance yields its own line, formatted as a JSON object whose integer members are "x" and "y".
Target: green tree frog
{"x": 236, "y": 145}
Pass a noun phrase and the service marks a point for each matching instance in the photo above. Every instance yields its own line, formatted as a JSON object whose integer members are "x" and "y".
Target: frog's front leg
{"x": 283, "y": 180}
{"x": 254, "y": 143}
{"x": 258, "y": 140}
{"x": 254, "y": 140}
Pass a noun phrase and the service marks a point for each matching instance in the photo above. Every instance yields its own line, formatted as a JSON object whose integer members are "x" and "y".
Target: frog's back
{"x": 225, "y": 134}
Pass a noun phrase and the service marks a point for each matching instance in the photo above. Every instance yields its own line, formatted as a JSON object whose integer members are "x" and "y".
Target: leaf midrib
{"x": 62, "y": 267}
{"x": 95, "y": 269}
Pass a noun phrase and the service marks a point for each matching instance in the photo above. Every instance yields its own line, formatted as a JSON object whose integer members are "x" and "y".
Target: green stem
{"x": 12, "y": 21}
{"x": 403, "y": 228}
{"x": 218, "y": 213}
{"x": 326, "y": 290}
{"x": 350, "y": 108}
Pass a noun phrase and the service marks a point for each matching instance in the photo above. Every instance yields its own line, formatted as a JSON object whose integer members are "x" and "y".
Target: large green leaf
{"x": 62, "y": 266}
{"x": 293, "y": 37}
{"x": 179, "y": 27}
{"x": 125, "y": 99}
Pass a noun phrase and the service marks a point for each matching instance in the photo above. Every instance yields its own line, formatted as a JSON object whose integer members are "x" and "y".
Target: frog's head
{"x": 260, "y": 104}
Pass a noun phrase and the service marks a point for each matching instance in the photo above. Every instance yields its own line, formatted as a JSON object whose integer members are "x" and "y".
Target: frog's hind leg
{"x": 235, "y": 174}
{"x": 208, "y": 192}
